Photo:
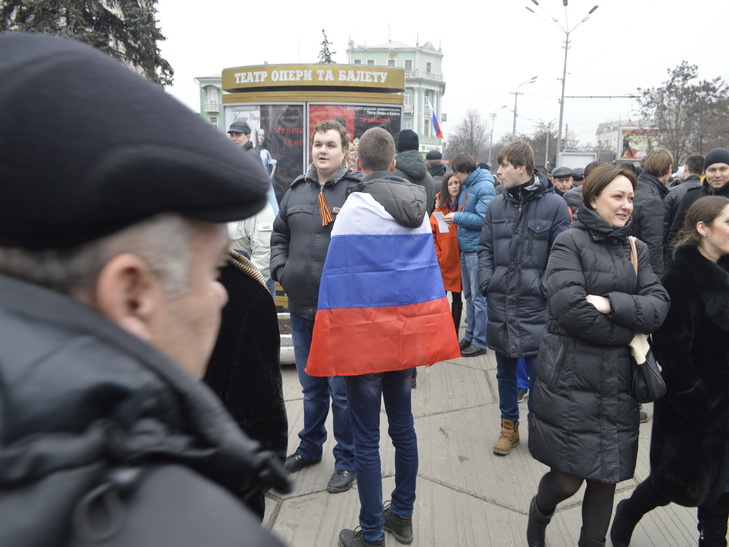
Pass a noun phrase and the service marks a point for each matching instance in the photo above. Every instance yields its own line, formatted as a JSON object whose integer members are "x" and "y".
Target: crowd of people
{"x": 110, "y": 299}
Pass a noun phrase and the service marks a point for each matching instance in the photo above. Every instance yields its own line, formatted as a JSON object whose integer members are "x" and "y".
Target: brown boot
{"x": 508, "y": 439}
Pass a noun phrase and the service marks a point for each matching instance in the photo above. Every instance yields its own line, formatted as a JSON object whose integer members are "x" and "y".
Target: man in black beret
{"x": 110, "y": 243}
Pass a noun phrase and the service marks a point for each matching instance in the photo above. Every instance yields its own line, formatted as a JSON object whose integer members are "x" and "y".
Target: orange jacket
{"x": 449, "y": 256}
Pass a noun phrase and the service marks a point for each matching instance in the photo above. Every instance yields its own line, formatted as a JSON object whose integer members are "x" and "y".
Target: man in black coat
{"x": 520, "y": 226}
{"x": 716, "y": 169}
{"x": 647, "y": 219}
{"x": 109, "y": 309}
{"x": 692, "y": 171}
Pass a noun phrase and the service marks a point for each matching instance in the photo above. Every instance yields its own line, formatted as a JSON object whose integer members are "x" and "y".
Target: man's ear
{"x": 393, "y": 165}
{"x": 127, "y": 292}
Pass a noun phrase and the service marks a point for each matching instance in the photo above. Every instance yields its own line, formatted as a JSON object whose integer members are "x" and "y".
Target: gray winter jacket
{"x": 404, "y": 200}
{"x": 520, "y": 226}
{"x": 411, "y": 166}
{"x": 586, "y": 420}
{"x": 299, "y": 242}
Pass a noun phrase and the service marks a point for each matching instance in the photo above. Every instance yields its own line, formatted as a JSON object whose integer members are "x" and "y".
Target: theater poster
{"x": 356, "y": 119}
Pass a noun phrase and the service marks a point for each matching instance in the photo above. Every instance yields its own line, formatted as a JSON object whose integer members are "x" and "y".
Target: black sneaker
{"x": 296, "y": 463}
{"x": 400, "y": 527}
{"x": 463, "y": 344}
{"x": 354, "y": 538}
{"x": 473, "y": 351}
{"x": 341, "y": 481}
{"x": 522, "y": 395}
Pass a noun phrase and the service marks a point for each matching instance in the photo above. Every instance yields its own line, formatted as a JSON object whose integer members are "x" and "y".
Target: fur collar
{"x": 712, "y": 283}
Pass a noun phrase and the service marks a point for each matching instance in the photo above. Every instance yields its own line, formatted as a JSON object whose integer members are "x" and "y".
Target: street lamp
{"x": 516, "y": 96}
{"x": 491, "y": 138}
{"x": 566, "y": 48}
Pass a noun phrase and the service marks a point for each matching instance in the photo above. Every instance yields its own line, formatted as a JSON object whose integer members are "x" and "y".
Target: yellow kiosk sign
{"x": 381, "y": 79}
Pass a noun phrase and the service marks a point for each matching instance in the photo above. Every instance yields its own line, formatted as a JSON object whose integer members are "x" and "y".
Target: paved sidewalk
{"x": 467, "y": 496}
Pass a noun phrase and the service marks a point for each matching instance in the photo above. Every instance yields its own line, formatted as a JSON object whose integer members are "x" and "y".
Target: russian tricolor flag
{"x": 382, "y": 305}
{"x": 436, "y": 125}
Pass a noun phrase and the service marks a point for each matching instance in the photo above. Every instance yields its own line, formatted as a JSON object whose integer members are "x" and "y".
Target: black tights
{"x": 597, "y": 505}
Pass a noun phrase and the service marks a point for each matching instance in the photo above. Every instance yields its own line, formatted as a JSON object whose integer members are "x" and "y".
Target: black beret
{"x": 88, "y": 147}
{"x": 407, "y": 139}
{"x": 434, "y": 155}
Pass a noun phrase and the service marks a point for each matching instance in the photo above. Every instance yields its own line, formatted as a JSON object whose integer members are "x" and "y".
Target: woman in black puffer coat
{"x": 690, "y": 439}
{"x": 586, "y": 421}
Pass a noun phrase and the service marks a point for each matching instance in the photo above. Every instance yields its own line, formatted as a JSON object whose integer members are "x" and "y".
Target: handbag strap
{"x": 633, "y": 253}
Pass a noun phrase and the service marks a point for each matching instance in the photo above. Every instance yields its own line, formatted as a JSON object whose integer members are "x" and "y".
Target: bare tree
{"x": 470, "y": 136}
{"x": 692, "y": 116}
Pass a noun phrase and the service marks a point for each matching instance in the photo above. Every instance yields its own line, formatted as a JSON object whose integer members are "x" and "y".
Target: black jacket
{"x": 93, "y": 415}
{"x": 671, "y": 204}
{"x": 299, "y": 242}
{"x": 693, "y": 194}
{"x": 647, "y": 219}
{"x": 520, "y": 226}
{"x": 585, "y": 419}
{"x": 690, "y": 441}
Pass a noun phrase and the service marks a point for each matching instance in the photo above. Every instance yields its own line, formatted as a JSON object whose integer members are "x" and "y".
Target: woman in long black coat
{"x": 690, "y": 442}
{"x": 585, "y": 426}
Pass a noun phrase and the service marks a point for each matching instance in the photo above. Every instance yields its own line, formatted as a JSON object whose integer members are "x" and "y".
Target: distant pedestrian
{"x": 446, "y": 244}
{"x": 477, "y": 191}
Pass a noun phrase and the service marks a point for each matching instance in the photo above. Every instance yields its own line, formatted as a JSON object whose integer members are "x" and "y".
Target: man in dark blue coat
{"x": 520, "y": 227}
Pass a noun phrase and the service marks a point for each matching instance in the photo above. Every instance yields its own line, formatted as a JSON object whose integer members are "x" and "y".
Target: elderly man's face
{"x": 187, "y": 325}
{"x": 563, "y": 184}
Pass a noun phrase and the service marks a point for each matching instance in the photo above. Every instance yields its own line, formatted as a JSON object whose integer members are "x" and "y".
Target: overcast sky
{"x": 488, "y": 50}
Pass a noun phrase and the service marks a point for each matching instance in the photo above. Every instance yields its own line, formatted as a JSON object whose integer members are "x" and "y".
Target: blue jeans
{"x": 475, "y": 301}
{"x": 364, "y": 394}
{"x": 506, "y": 377}
{"x": 271, "y": 286}
{"x": 522, "y": 376}
{"x": 317, "y": 392}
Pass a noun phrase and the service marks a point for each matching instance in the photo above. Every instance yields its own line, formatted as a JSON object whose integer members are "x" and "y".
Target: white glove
{"x": 639, "y": 347}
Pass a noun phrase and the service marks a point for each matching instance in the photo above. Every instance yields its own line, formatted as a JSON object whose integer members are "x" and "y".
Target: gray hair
{"x": 164, "y": 242}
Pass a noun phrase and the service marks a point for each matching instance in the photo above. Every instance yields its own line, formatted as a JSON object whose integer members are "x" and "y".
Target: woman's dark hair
{"x": 705, "y": 210}
{"x": 445, "y": 197}
{"x": 599, "y": 178}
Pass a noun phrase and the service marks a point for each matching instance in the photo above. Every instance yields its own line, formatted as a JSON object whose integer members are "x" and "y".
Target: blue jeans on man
{"x": 476, "y": 311}
{"x": 317, "y": 394}
{"x": 364, "y": 395}
{"x": 506, "y": 376}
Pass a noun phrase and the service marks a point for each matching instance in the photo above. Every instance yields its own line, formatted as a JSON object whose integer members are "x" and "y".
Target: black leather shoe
{"x": 354, "y": 538}
{"x": 463, "y": 344}
{"x": 341, "y": 481}
{"x": 472, "y": 351}
{"x": 296, "y": 463}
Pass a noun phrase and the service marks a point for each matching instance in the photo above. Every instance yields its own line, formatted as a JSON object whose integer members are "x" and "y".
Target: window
{"x": 358, "y": 61}
{"x": 213, "y": 120}
{"x": 391, "y": 62}
{"x": 428, "y": 67}
{"x": 408, "y": 64}
{"x": 370, "y": 62}
{"x": 407, "y": 98}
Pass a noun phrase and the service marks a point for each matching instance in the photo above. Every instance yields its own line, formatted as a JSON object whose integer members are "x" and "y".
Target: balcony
{"x": 212, "y": 106}
{"x": 421, "y": 74}
{"x": 408, "y": 109}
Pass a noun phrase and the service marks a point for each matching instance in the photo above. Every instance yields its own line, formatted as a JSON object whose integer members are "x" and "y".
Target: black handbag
{"x": 648, "y": 384}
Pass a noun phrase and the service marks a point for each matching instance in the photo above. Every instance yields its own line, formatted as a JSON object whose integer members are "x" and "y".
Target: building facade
{"x": 211, "y": 100}
{"x": 423, "y": 83}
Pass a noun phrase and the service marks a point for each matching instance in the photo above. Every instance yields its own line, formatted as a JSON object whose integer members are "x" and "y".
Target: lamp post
{"x": 566, "y": 48}
{"x": 516, "y": 96}
{"x": 491, "y": 138}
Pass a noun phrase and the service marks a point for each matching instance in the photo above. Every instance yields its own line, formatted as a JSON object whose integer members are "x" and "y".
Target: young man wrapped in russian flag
{"x": 382, "y": 311}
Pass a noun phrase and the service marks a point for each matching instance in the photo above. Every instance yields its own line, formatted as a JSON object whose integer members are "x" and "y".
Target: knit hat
{"x": 240, "y": 126}
{"x": 88, "y": 147}
{"x": 407, "y": 139}
{"x": 717, "y": 155}
{"x": 434, "y": 155}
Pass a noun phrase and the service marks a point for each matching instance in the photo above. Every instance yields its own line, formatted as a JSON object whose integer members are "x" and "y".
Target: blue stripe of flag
{"x": 368, "y": 271}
